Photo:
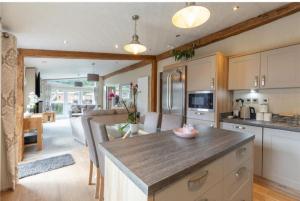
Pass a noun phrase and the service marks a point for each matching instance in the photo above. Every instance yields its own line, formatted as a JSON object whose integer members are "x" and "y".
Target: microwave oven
{"x": 201, "y": 101}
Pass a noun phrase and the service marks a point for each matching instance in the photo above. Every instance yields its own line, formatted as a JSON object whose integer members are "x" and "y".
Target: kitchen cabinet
{"x": 201, "y": 74}
{"x": 258, "y": 142}
{"x": 199, "y": 122}
{"x": 280, "y": 67}
{"x": 244, "y": 72}
{"x": 281, "y": 157}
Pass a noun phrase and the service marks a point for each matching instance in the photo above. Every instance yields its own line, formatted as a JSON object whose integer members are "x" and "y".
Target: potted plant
{"x": 132, "y": 114}
{"x": 184, "y": 54}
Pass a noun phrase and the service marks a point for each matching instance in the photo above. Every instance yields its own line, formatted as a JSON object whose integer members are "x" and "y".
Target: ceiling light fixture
{"x": 191, "y": 16}
{"x": 135, "y": 46}
{"x": 93, "y": 76}
{"x": 235, "y": 8}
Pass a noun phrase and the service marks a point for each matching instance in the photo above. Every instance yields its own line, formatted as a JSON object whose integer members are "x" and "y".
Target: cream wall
{"x": 282, "y": 32}
{"x": 130, "y": 76}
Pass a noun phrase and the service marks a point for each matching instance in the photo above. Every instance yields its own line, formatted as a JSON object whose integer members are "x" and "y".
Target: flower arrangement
{"x": 111, "y": 95}
{"x": 33, "y": 99}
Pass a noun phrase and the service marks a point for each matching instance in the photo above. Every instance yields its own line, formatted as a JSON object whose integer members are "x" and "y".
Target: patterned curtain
{"x": 8, "y": 104}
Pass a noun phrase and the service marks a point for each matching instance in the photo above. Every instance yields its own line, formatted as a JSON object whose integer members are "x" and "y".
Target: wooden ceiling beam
{"x": 81, "y": 55}
{"x": 128, "y": 68}
{"x": 241, "y": 27}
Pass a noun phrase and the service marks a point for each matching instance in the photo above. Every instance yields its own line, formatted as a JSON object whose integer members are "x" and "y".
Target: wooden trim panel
{"x": 241, "y": 27}
{"x": 154, "y": 86}
{"x": 128, "y": 68}
{"x": 20, "y": 105}
{"x": 81, "y": 55}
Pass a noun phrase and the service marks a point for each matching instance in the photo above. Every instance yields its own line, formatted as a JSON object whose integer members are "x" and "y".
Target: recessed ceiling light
{"x": 235, "y": 8}
{"x": 170, "y": 46}
{"x": 116, "y": 46}
{"x": 65, "y": 42}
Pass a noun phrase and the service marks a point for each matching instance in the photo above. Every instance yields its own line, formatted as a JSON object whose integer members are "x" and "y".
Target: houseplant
{"x": 184, "y": 54}
{"x": 132, "y": 114}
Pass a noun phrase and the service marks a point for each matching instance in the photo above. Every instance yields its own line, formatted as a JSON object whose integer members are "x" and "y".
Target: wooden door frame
{"x": 22, "y": 53}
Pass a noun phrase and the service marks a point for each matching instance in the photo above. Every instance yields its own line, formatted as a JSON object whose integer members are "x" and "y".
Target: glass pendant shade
{"x": 191, "y": 16}
{"x": 135, "y": 46}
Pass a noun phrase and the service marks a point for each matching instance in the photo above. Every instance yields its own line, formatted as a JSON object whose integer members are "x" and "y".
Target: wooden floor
{"x": 71, "y": 184}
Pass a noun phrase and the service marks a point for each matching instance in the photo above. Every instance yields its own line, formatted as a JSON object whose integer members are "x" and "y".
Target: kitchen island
{"x": 216, "y": 165}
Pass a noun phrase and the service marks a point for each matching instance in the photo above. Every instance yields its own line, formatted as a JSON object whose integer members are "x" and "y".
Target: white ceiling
{"x": 51, "y": 68}
{"x": 99, "y": 26}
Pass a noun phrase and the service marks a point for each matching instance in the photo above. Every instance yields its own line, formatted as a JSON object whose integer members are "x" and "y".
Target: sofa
{"x": 112, "y": 116}
{"x": 77, "y": 110}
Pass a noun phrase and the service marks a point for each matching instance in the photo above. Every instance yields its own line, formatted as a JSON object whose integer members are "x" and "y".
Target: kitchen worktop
{"x": 275, "y": 124}
{"x": 156, "y": 160}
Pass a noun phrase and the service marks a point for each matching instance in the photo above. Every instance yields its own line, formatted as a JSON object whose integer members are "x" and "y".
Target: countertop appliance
{"x": 245, "y": 112}
{"x": 201, "y": 101}
{"x": 173, "y": 91}
{"x": 252, "y": 113}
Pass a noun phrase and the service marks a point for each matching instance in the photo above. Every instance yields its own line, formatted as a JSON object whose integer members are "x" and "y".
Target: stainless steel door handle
{"x": 167, "y": 99}
{"x": 171, "y": 90}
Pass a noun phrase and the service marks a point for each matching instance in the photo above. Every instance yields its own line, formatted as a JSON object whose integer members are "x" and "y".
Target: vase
{"x": 134, "y": 128}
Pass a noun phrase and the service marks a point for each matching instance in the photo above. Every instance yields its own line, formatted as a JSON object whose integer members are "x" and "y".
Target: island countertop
{"x": 156, "y": 160}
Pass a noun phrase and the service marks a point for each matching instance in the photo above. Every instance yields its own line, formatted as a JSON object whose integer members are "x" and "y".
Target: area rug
{"x": 45, "y": 165}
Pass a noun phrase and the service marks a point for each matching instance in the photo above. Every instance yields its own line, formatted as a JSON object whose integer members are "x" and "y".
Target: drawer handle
{"x": 199, "y": 113}
{"x": 239, "y": 127}
{"x": 195, "y": 183}
{"x": 238, "y": 173}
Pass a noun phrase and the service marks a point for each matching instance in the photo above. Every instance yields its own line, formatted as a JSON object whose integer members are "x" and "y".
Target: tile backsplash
{"x": 279, "y": 100}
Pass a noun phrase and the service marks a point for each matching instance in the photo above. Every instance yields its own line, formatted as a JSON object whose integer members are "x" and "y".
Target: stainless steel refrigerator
{"x": 173, "y": 91}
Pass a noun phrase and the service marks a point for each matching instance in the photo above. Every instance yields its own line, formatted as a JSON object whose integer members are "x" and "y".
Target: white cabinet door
{"x": 244, "y": 72}
{"x": 258, "y": 141}
{"x": 280, "y": 67}
{"x": 282, "y": 157}
{"x": 201, "y": 74}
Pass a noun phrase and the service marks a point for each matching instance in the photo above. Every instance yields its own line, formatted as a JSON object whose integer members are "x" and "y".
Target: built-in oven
{"x": 201, "y": 101}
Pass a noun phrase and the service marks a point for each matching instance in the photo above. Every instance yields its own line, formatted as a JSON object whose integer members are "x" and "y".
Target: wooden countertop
{"x": 156, "y": 160}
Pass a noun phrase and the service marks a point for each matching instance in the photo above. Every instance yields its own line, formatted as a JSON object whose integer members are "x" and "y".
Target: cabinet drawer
{"x": 207, "y": 116}
{"x": 213, "y": 194}
{"x": 236, "y": 179}
{"x": 198, "y": 122}
{"x": 244, "y": 193}
{"x": 194, "y": 185}
{"x": 235, "y": 158}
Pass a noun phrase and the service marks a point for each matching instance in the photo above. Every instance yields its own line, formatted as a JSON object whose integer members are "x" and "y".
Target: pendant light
{"x": 191, "y": 16}
{"x": 93, "y": 76}
{"x": 135, "y": 46}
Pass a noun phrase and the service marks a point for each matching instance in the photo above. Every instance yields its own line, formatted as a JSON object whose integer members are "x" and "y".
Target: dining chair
{"x": 170, "y": 121}
{"x": 151, "y": 122}
{"x": 100, "y": 135}
{"x": 92, "y": 152}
